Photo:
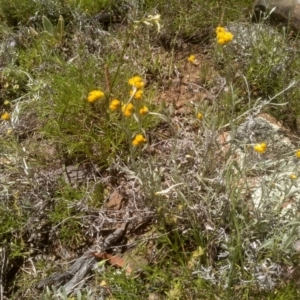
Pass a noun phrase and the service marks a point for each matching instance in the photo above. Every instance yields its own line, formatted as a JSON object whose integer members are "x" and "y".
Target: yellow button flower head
{"x": 136, "y": 82}
{"x": 144, "y": 110}
{"x": 260, "y": 148}
{"x": 115, "y": 104}
{"x": 137, "y": 95}
{"x": 103, "y": 283}
{"x": 5, "y": 116}
{"x": 128, "y": 109}
{"x": 297, "y": 154}
{"x": 228, "y": 36}
{"x": 199, "y": 116}
{"x": 220, "y": 29}
{"x": 293, "y": 176}
{"x": 223, "y": 36}
{"x": 94, "y": 96}
{"x": 191, "y": 58}
{"x": 138, "y": 140}
{"x": 221, "y": 41}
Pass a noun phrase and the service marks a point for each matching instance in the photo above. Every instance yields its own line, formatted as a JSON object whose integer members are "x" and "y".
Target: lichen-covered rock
{"x": 287, "y": 12}
{"x": 252, "y": 39}
{"x": 271, "y": 179}
{"x": 265, "y": 128}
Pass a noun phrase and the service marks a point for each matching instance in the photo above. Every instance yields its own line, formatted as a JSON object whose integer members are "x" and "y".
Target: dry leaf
{"x": 114, "y": 260}
{"x": 115, "y": 201}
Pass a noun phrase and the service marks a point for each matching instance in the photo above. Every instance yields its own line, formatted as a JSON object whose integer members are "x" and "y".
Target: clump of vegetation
{"x": 133, "y": 134}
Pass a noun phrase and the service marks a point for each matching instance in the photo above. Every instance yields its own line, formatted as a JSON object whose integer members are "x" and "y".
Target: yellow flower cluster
{"x": 144, "y": 110}
{"x": 260, "y": 148}
{"x": 138, "y": 140}
{"x": 199, "y": 116}
{"x": 5, "y": 116}
{"x": 115, "y": 105}
{"x": 297, "y": 153}
{"x": 223, "y": 36}
{"x": 137, "y": 83}
{"x": 94, "y": 96}
{"x": 134, "y": 105}
{"x": 137, "y": 94}
{"x": 192, "y": 58}
{"x": 128, "y": 109}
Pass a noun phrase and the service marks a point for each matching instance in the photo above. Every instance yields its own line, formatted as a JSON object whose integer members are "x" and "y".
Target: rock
{"x": 260, "y": 45}
{"x": 287, "y": 12}
{"x": 265, "y": 128}
{"x": 255, "y": 130}
{"x": 249, "y": 37}
{"x": 115, "y": 201}
{"x": 271, "y": 180}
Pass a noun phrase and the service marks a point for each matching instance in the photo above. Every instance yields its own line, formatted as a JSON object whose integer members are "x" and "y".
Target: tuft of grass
{"x": 257, "y": 49}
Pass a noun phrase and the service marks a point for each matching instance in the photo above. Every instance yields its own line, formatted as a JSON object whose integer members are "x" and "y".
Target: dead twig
{"x": 77, "y": 273}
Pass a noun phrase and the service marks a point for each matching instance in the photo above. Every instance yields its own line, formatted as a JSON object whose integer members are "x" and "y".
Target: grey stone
{"x": 268, "y": 182}
{"x": 287, "y": 12}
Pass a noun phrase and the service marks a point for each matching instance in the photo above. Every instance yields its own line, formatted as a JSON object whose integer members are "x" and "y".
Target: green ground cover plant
{"x": 112, "y": 112}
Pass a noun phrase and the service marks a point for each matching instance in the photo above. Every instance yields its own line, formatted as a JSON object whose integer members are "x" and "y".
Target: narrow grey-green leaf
{"x": 60, "y": 27}
{"x": 48, "y": 27}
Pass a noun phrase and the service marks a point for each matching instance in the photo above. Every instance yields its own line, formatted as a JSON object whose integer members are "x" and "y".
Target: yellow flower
{"x": 5, "y": 116}
{"x": 220, "y": 29}
{"x": 137, "y": 95}
{"x": 103, "y": 283}
{"x": 138, "y": 140}
{"x": 6, "y": 102}
{"x": 228, "y": 37}
{"x": 260, "y": 148}
{"x": 137, "y": 82}
{"x": 144, "y": 110}
{"x": 221, "y": 41}
{"x": 191, "y": 58}
{"x": 297, "y": 154}
{"x": 128, "y": 109}
{"x": 199, "y": 116}
{"x": 223, "y": 36}
{"x": 115, "y": 104}
{"x": 94, "y": 96}
{"x": 293, "y": 176}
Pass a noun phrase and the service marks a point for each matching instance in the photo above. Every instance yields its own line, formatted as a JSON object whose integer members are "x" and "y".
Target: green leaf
{"x": 60, "y": 27}
{"x": 48, "y": 27}
{"x": 55, "y": 35}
